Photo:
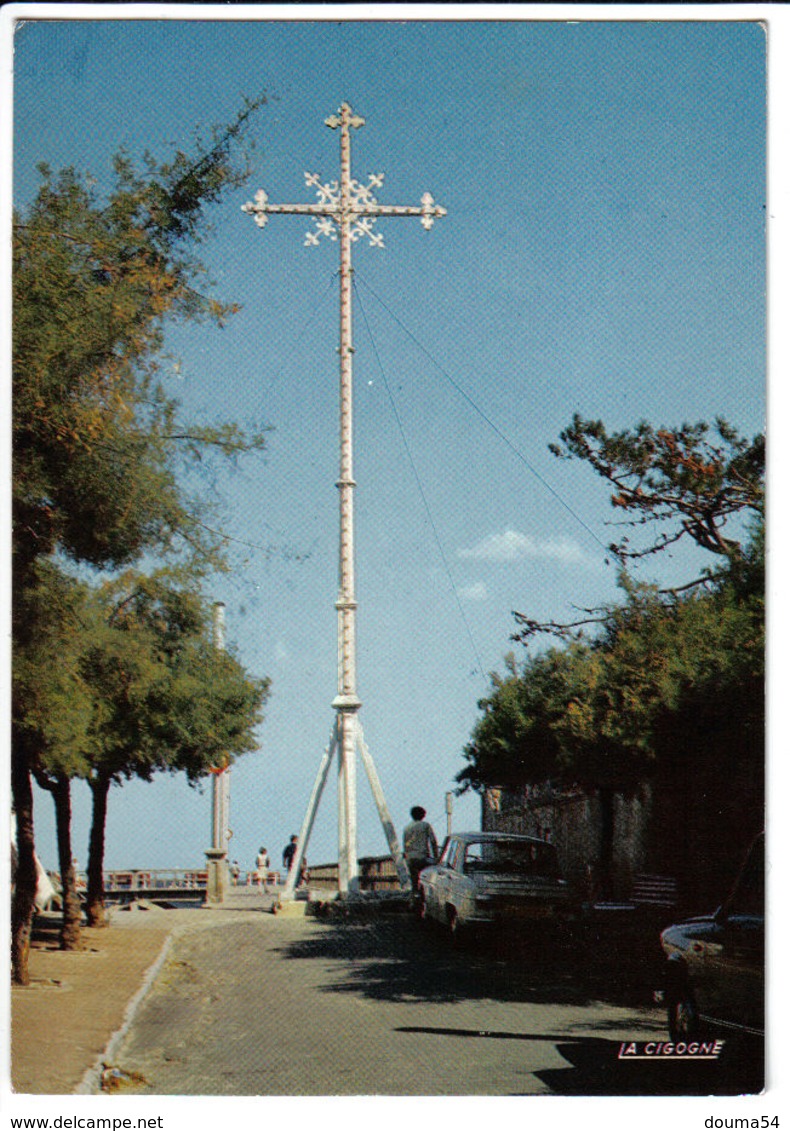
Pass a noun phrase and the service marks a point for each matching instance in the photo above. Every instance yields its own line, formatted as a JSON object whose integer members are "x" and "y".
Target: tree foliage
{"x": 682, "y": 481}
{"x": 95, "y": 280}
{"x": 50, "y": 709}
{"x": 96, "y": 439}
{"x": 660, "y": 679}
{"x": 658, "y": 683}
{"x": 163, "y": 697}
{"x": 50, "y": 698}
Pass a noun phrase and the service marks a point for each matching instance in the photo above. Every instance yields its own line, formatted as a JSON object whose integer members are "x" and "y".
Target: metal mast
{"x": 346, "y": 211}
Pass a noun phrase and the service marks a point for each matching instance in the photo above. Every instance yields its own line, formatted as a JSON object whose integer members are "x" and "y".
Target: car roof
{"x": 488, "y": 836}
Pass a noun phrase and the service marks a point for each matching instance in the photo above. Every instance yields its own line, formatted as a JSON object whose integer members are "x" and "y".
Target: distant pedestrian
{"x": 419, "y": 845}
{"x": 289, "y": 852}
{"x": 262, "y": 864}
{"x": 288, "y": 857}
{"x": 235, "y": 872}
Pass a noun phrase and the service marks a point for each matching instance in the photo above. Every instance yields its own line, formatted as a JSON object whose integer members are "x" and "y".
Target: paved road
{"x": 267, "y": 1005}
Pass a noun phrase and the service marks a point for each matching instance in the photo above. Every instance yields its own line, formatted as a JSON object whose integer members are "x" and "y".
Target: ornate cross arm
{"x": 429, "y": 210}
{"x": 261, "y": 209}
{"x": 361, "y": 209}
{"x": 344, "y": 202}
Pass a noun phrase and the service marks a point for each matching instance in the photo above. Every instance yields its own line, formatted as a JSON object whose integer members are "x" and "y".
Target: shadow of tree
{"x": 396, "y": 958}
{"x": 595, "y": 1068}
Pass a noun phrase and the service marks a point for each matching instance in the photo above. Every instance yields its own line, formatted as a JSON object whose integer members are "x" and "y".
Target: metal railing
{"x": 152, "y": 879}
{"x": 376, "y": 873}
{"x": 143, "y": 879}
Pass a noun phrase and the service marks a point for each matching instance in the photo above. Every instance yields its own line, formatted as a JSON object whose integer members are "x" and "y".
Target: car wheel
{"x": 682, "y": 1015}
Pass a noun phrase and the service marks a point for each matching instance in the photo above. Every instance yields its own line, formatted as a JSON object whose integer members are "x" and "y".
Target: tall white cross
{"x": 346, "y": 211}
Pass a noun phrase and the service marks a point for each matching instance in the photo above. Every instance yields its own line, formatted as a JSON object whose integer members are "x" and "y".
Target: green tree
{"x": 680, "y": 480}
{"x": 163, "y": 698}
{"x": 52, "y": 710}
{"x": 96, "y": 440}
{"x": 663, "y": 682}
{"x": 514, "y": 742}
{"x": 94, "y": 433}
{"x": 603, "y": 710}
{"x": 671, "y": 692}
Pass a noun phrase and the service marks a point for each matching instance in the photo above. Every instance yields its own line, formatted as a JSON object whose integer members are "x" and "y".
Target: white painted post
{"x": 346, "y": 703}
{"x": 217, "y": 855}
{"x": 307, "y": 825}
{"x": 401, "y": 866}
{"x": 221, "y": 781}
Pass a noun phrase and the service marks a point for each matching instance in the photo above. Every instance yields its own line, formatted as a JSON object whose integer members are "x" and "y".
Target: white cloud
{"x": 475, "y": 592}
{"x": 511, "y": 546}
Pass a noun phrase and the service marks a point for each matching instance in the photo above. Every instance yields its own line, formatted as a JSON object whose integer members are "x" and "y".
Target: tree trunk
{"x": 25, "y": 879}
{"x": 94, "y": 908}
{"x": 59, "y": 785}
{"x": 71, "y": 926}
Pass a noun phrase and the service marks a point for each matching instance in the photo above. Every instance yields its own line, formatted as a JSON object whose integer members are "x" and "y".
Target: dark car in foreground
{"x": 715, "y": 964}
{"x": 485, "y": 879}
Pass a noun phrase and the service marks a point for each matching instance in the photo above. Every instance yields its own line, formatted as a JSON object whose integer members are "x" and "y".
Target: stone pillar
{"x": 217, "y": 862}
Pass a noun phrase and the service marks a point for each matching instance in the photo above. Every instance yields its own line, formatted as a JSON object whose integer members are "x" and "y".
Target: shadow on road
{"x": 397, "y": 958}
{"x": 595, "y": 1068}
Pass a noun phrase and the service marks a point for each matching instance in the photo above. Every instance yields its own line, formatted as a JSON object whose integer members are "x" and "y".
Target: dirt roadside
{"x": 73, "y": 1014}
{"x": 79, "y": 1003}
{"x": 63, "y": 1021}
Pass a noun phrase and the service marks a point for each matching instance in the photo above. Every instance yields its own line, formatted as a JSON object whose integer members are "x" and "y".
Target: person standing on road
{"x": 288, "y": 856}
{"x": 419, "y": 845}
{"x": 289, "y": 852}
{"x": 262, "y": 870}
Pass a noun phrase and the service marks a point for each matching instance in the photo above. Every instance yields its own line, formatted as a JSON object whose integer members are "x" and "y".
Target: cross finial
{"x": 347, "y": 118}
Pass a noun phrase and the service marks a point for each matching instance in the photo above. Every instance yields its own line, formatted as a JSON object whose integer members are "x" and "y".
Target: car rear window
{"x": 513, "y": 857}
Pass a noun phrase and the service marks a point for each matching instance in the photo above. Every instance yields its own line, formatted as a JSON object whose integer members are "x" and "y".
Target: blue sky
{"x": 603, "y": 253}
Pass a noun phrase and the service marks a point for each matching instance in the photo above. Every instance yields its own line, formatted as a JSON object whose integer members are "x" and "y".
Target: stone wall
{"x": 696, "y": 835}
{"x": 574, "y": 820}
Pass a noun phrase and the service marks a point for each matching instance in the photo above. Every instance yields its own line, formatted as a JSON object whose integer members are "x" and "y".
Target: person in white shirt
{"x": 262, "y": 870}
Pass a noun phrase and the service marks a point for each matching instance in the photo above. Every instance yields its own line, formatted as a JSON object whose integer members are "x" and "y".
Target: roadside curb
{"x": 90, "y": 1085}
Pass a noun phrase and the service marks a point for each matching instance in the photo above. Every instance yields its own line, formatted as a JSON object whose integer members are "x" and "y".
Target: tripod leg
{"x": 307, "y": 824}
{"x": 386, "y": 820}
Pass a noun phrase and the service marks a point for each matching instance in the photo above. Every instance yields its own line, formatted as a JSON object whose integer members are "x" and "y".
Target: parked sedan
{"x": 715, "y": 970}
{"x": 482, "y": 879}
